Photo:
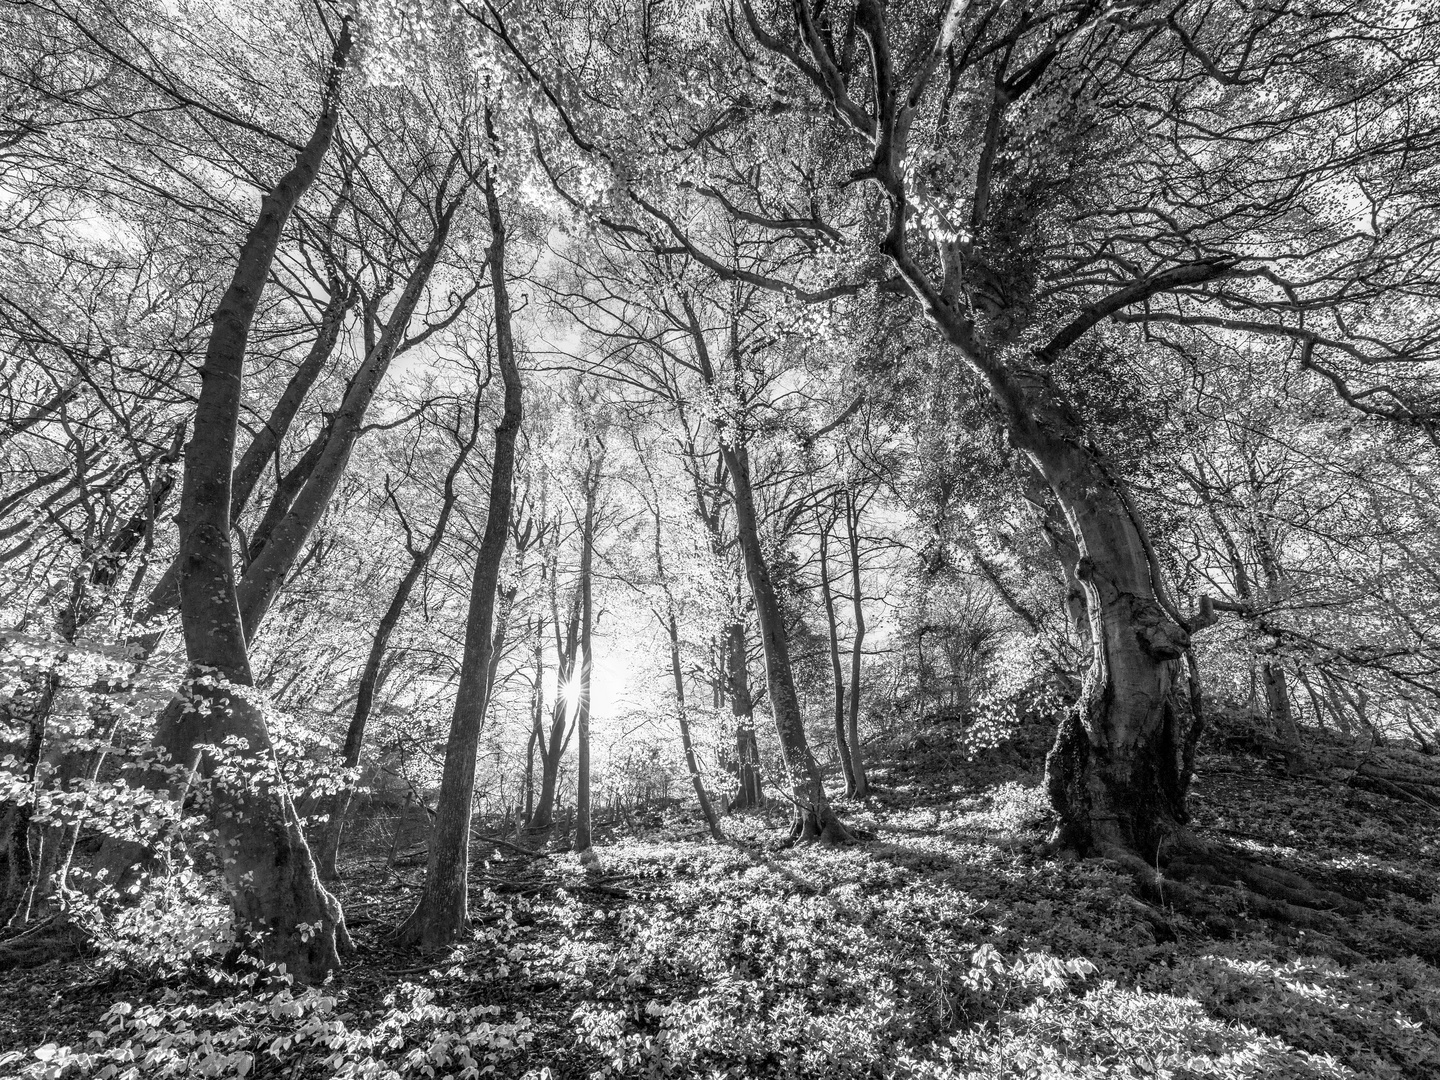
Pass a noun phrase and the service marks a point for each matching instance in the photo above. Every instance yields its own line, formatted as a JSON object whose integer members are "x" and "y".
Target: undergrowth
{"x": 948, "y": 947}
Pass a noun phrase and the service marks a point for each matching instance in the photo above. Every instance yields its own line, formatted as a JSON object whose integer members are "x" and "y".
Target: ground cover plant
{"x": 947, "y": 946}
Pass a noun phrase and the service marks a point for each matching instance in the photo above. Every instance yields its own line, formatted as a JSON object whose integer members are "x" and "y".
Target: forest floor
{"x": 948, "y": 946}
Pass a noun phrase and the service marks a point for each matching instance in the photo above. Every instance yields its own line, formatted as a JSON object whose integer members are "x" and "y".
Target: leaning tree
{"x": 1049, "y": 186}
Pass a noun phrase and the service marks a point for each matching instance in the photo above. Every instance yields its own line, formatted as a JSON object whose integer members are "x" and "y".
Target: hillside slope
{"x": 947, "y": 946}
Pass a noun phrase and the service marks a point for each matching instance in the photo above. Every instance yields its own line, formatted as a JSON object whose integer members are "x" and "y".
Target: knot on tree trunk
{"x": 1159, "y": 635}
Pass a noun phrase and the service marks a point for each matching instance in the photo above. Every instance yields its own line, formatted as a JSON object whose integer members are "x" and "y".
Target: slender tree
{"x": 328, "y": 846}
{"x": 440, "y": 916}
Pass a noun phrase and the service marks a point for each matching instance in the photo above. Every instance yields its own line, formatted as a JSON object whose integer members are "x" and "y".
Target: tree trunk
{"x": 165, "y": 595}
{"x": 1116, "y": 775}
{"x": 837, "y": 673}
{"x": 566, "y": 653}
{"x": 815, "y": 820}
{"x": 860, "y": 787}
{"x": 537, "y": 713}
{"x": 266, "y": 443}
{"x": 551, "y": 752}
{"x": 29, "y": 708}
{"x": 371, "y": 678}
{"x": 749, "y": 794}
{"x": 1272, "y": 675}
{"x": 279, "y": 903}
{"x": 1056, "y": 531}
{"x": 1277, "y": 699}
{"x": 587, "y": 661}
{"x": 273, "y": 563}
{"x": 678, "y": 674}
{"x": 439, "y": 918}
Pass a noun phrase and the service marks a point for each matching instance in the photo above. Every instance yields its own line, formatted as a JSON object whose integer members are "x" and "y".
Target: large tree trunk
{"x": 1116, "y": 775}
{"x": 861, "y": 787}
{"x": 279, "y": 903}
{"x": 1058, "y": 538}
{"x": 439, "y": 918}
{"x": 371, "y": 677}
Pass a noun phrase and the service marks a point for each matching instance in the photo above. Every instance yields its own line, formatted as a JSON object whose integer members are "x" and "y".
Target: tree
{"x": 439, "y": 918}
{"x": 276, "y": 892}
{"x": 371, "y": 675}
{"x": 594, "y": 459}
{"x": 995, "y": 162}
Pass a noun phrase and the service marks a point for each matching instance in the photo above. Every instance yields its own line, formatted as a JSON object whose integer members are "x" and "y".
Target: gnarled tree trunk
{"x": 1116, "y": 775}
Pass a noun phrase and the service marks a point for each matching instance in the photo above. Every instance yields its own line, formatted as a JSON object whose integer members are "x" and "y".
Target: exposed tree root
{"x": 1266, "y": 892}
{"x": 831, "y": 832}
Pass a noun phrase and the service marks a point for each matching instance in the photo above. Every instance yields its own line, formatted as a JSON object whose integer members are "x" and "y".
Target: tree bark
{"x": 1116, "y": 775}
{"x": 439, "y": 918}
{"x": 1277, "y": 700}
